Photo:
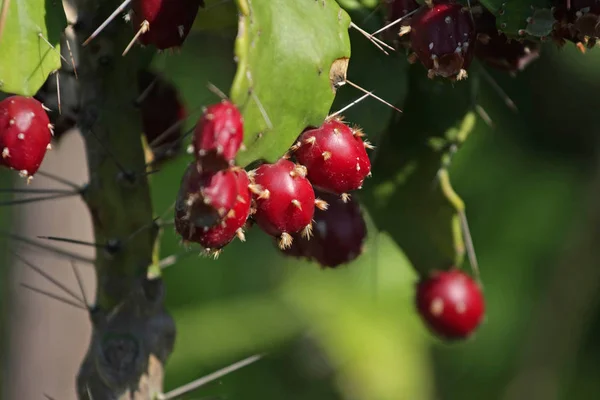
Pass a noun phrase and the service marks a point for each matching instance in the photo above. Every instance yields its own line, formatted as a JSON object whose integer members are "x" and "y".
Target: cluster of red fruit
{"x": 217, "y": 199}
{"x": 445, "y": 36}
{"x": 25, "y": 134}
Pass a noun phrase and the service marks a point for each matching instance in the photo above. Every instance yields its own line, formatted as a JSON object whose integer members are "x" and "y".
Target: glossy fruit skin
{"x": 443, "y": 38}
{"x": 204, "y": 198}
{"x": 335, "y": 157}
{"x": 25, "y": 133}
{"x": 225, "y": 230}
{"x": 161, "y": 108}
{"x": 451, "y": 303}
{"x": 339, "y": 233}
{"x": 284, "y": 184}
{"x": 170, "y": 20}
{"x": 218, "y": 136}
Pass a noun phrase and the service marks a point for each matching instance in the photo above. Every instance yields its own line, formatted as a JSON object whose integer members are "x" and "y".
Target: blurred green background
{"x": 531, "y": 184}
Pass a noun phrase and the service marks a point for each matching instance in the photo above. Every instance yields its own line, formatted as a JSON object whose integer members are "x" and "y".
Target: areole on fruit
{"x": 335, "y": 156}
{"x": 205, "y": 198}
{"x": 285, "y": 200}
{"x": 25, "y": 134}
{"x": 451, "y": 303}
{"x": 442, "y": 38}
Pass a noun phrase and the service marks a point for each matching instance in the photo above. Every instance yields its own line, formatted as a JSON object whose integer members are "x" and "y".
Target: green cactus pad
{"x": 520, "y": 19}
{"x": 26, "y": 59}
{"x": 285, "y": 52}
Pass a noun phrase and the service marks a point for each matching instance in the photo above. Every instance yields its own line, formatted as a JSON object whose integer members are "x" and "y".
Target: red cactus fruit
{"x": 161, "y": 109}
{"x": 335, "y": 156}
{"x": 497, "y": 50}
{"x": 214, "y": 238}
{"x": 577, "y": 21}
{"x": 218, "y": 136}
{"x": 338, "y": 234}
{"x": 25, "y": 134}
{"x": 284, "y": 200}
{"x": 168, "y": 22}
{"x": 205, "y": 198}
{"x": 451, "y": 303}
{"x": 442, "y": 38}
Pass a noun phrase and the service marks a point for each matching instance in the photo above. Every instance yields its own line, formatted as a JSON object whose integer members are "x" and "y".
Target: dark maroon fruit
{"x": 25, "y": 134}
{"x": 161, "y": 108}
{"x": 335, "y": 156}
{"x": 500, "y": 52}
{"x": 451, "y": 303}
{"x": 205, "y": 198}
{"x": 285, "y": 200}
{"x": 443, "y": 39}
{"x": 169, "y": 21}
{"x": 214, "y": 238}
{"x": 338, "y": 234}
{"x": 218, "y": 136}
{"x": 396, "y": 9}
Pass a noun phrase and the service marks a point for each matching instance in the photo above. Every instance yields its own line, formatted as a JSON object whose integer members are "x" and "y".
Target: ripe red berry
{"x": 335, "y": 156}
{"x": 169, "y": 21}
{"x": 338, "y": 234}
{"x": 443, "y": 39}
{"x": 226, "y": 229}
{"x": 25, "y": 134}
{"x": 205, "y": 198}
{"x": 161, "y": 109}
{"x": 451, "y": 303}
{"x": 285, "y": 200}
{"x": 218, "y": 135}
{"x": 397, "y": 9}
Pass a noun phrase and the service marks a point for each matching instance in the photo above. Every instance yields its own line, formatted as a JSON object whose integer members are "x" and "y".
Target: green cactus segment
{"x": 521, "y": 19}
{"x": 285, "y": 52}
{"x": 410, "y": 195}
{"x": 26, "y": 59}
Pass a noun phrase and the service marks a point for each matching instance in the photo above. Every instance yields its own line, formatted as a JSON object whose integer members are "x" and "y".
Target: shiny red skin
{"x": 220, "y": 188}
{"x": 24, "y": 133}
{"x": 396, "y": 9}
{"x": 276, "y": 214}
{"x": 338, "y": 233}
{"x": 438, "y": 32}
{"x": 348, "y": 165}
{"x": 451, "y": 303}
{"x": 220, "y": 127}
{"x": 221, "y": 234}
{"x": 170, "y": 21}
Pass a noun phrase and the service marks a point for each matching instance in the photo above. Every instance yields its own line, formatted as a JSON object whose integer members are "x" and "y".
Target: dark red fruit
{"x": 231, "y": 225}
{"x": 285, "y": 200}
{"x": 25, "y": 134}
{"x": 161, "y": 109}
{"x": 169, "y": 21}
{"x": 577, "y": 22}
{"x": 338, "y": 234}
{"x": 218, "y": 136}
{"x": 451, "y": 303}
{"x": 498, "y": 51}
{"x": 443, "y": 39}
{"x": 396, "y": 9}
{"x": 205, "y": 198}
{"x": 335, "y": 156}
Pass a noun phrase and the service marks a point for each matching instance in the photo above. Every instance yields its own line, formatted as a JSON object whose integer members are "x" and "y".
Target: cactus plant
{"x": 264, "y": 88}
